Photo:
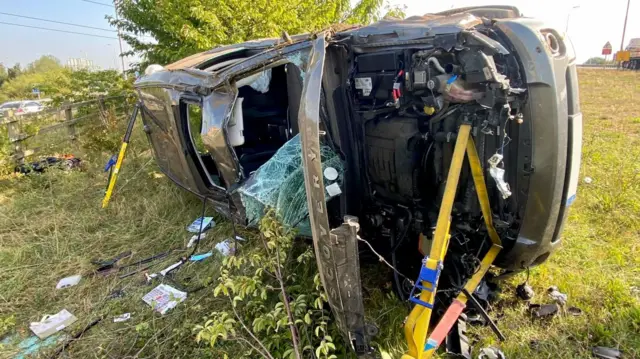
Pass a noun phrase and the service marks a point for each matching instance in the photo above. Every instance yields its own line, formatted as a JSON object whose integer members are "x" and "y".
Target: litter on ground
{"x": 68, "y": 281}
{"x": 491, "y": 353}
{"x": 201, "y": 224}
{"x": 606, "y": 353}
{"x": 51, "y": 324}
{"x": 196, "y": 238}
{"x": 226, "y": 247}
{"x": 164, "y": 298}
{"x": 167, "y": 270}
{"x": 557, "y": 296}
{"x": 122, "y": 318}
{"x": 31, "y": 346}
{"x": 200, "y": 257}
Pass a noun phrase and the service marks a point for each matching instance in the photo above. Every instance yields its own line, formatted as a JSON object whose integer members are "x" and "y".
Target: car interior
{"x": 263, "y": 119}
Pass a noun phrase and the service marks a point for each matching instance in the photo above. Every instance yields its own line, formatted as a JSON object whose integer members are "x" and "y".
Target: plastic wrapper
{"x": 279, "y": 183}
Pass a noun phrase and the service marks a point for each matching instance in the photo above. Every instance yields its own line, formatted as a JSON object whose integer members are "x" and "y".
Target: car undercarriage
{"x": 353, "y": 136}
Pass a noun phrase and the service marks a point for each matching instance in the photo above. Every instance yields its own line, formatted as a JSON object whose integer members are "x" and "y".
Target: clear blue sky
{"x": 591, "y": 25}
{"x": 23, "y": 45}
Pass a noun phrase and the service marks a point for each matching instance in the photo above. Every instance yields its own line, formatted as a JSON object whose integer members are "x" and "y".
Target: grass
{"x": 51, "y": 226}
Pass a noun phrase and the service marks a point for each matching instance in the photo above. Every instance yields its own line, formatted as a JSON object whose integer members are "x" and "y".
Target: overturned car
{"x": 352, "y": 135}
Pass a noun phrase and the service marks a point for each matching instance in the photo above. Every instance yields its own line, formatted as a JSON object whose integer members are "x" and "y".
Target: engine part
{"x": 390, "y": 156}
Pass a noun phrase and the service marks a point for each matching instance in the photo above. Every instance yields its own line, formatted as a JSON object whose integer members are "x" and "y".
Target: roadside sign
{"x": 623, "y": 56}
{"x": 35, "y": 91}
{"x": 607, "y": 48}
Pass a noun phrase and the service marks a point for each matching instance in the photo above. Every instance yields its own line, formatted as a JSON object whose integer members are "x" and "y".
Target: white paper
{"x": 225, "y": 247}
{"x": 163, "y": 298}
{"x": 68, "y": 281}
{"x": 334, "y": 190}
{"x": 51, "y": 324}
{"x": 122, "y": 318}
{"x": 207, "y": 222}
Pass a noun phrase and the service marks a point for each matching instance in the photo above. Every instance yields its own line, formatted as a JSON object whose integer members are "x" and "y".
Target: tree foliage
{"x": 598, "y": 61}
{"x": 59, "y": 83}
{"x": 3, "y": 74}
{"x": 276, "y": 302}
{"x": 185, "y": 27}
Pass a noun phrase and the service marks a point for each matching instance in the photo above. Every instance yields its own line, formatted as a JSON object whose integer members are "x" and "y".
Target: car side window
{"x": 32, "y": 104}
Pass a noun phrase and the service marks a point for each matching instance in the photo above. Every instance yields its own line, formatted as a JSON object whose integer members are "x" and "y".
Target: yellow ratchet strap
{"x": 416, "y": 326}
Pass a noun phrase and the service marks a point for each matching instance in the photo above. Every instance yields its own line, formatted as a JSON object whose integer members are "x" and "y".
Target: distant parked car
{"x": 20, "y": 107}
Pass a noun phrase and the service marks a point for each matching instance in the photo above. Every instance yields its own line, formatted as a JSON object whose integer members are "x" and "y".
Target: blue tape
{"x": 451, "y": 79}
{"x": 430, "y": 344}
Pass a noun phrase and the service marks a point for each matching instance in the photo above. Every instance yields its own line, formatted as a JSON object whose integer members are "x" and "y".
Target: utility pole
{"x": 566, "y": 29}
{"x": 115, "y": 8}
{"x": 624, "y": 29}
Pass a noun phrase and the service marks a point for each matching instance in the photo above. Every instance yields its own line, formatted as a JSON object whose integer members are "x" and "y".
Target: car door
{"x": 336, "y": 249}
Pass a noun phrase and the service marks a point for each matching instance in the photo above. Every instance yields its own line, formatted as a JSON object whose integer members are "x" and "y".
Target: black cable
{"x": 56, "y": 22}
{"x": 65, "y": 31}
{"x": 98, "y": 3}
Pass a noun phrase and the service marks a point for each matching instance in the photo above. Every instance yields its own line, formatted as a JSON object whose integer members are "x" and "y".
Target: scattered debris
{"x": 606, "y": 353}
{"x": 147, "y": 260}
{"x": 524, "y": 291}
{"x": 51, "y": 324}
{"x": 200, "y": 257}
{"x": 575, "y": 311}
{"x": 31, "y": 346}
{"x": 201, "y": 224}
{"x": 226, "y": 247}
{"x": 122, "y": 318}
{"x": 543, "y": 311}
{"x": 133, "y": 272}
{"x": 196, "y": 238}
{"x": 150, "y": 277}
{"x": 170, "y": 268}
{"x": 498, "y": 175}
{"x": 118, "y": 293}
{"x": 163, "y": 298}
{"x": 107, "y": 266}
{"x": 68, "y": 281}
{"x": 588, "y": 180}
{"x": 491, "y": 353}
{"x": 65, "y": 162}
{"x": 557, "y": 296}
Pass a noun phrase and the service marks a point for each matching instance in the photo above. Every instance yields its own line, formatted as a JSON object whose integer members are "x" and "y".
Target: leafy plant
{"x": 185, "y": 27}
{"x": 276, "y": 301}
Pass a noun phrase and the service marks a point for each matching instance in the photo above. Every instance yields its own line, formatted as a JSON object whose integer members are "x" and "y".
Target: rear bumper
{"x": 556, "y": 139}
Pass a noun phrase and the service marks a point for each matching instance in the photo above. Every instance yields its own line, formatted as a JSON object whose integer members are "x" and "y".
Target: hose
{"x": 436, "y": 64}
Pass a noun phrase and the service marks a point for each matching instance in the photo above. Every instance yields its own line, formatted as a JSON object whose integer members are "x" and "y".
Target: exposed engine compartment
{"x": 408, "y": 105}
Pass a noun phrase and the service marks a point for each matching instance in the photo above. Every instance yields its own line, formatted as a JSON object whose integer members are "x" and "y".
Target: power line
{"x": 68, "y": 32}
{"x": 57, "y": 22}
{"x": 98, "y": 3}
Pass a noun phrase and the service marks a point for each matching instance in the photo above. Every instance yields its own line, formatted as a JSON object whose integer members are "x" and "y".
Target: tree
{"x": 598, "y": 61}
{"x": 43, "y": 64}
{"x": 14, "y": 72}
{"x": 185, "y": 27}
{"x": 3, "y": 74}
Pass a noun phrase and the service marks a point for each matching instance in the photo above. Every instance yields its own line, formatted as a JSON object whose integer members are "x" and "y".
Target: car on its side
{"x": 360, "y": 125}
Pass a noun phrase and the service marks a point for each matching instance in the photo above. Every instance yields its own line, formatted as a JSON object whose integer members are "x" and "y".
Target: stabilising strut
{"x": 416, "y": 327}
